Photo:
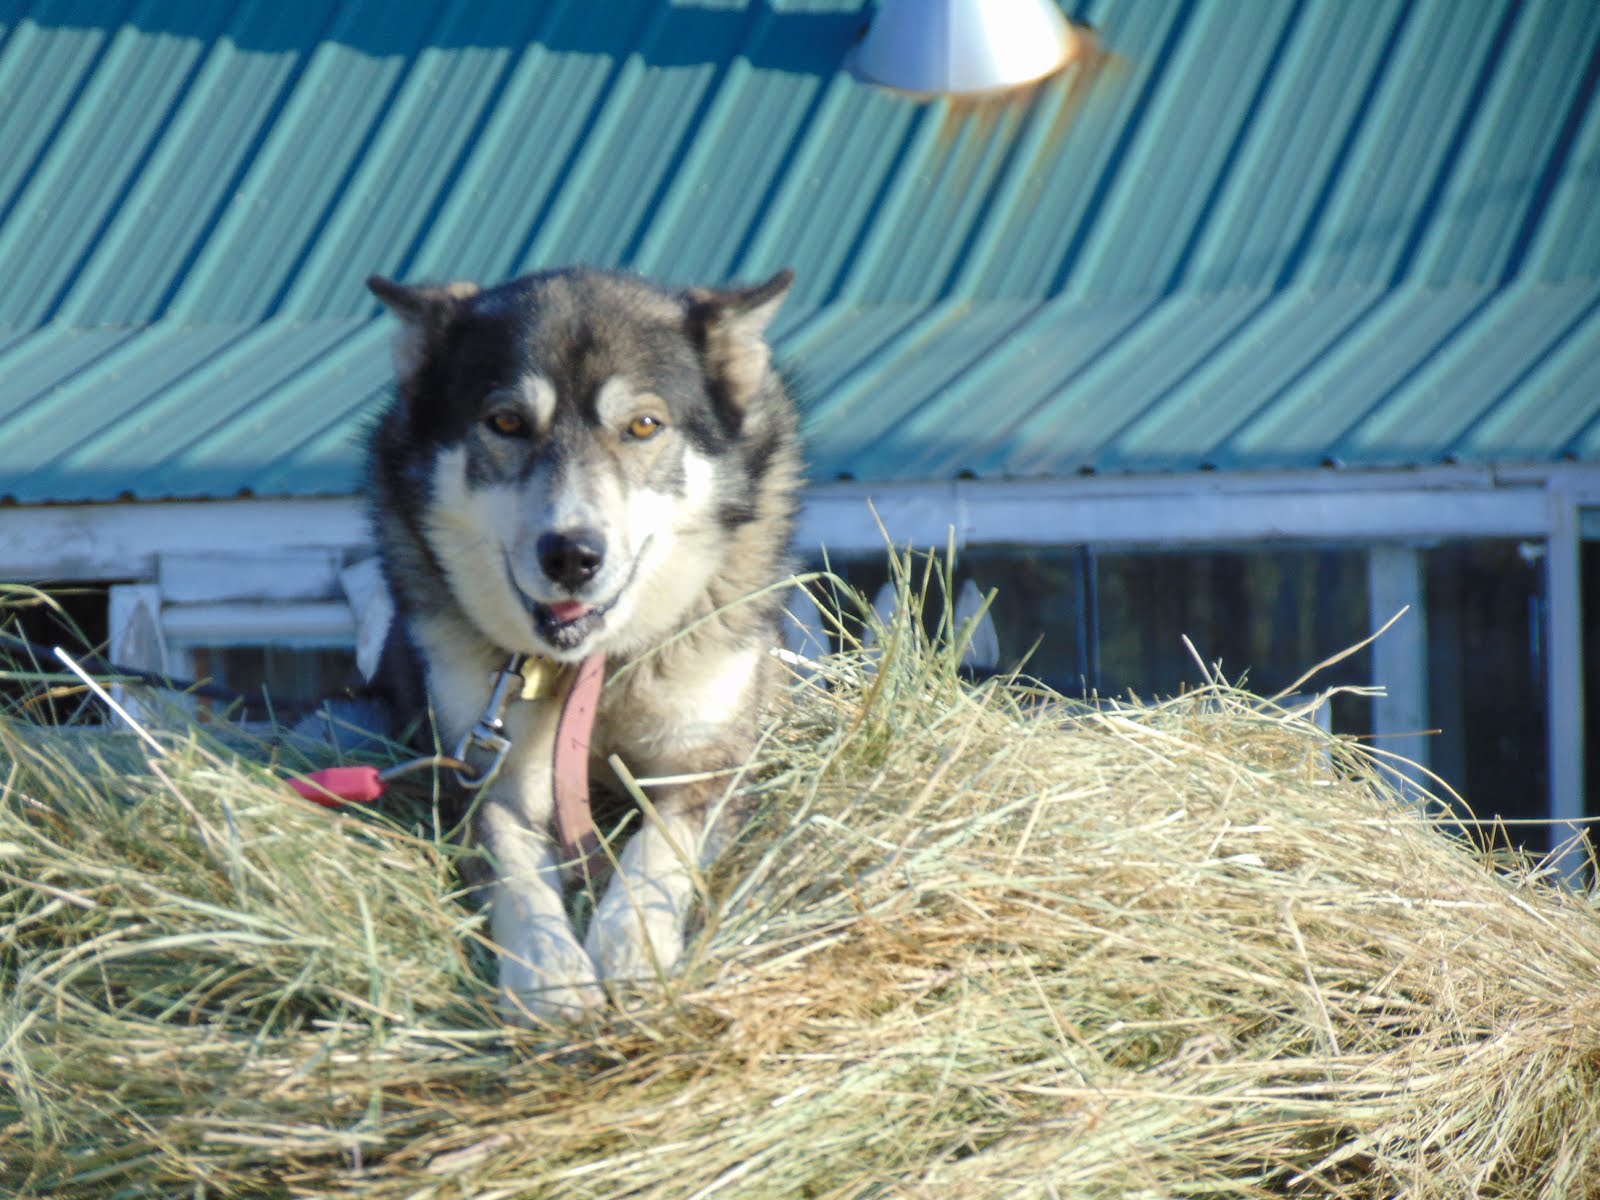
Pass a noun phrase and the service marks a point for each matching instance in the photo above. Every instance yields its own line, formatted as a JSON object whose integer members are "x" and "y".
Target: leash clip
{"x": 489, "y": 732}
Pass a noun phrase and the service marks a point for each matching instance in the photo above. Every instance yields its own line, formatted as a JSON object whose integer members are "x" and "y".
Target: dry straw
{"x": 977, "y": 942}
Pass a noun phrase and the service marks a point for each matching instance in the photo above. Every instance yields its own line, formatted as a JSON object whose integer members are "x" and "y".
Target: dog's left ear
{"x": 426, "y": 313}
{"x": 729, "y": 326}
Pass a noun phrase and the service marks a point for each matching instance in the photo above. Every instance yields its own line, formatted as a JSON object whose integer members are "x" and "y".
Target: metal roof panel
{"x": 1269, "y": 236}
{"x": 1257, "y": 380}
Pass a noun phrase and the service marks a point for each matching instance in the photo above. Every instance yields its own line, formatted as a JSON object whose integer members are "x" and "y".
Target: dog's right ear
{"x": 426, "y": 312}
{"x": 730, "y": 328}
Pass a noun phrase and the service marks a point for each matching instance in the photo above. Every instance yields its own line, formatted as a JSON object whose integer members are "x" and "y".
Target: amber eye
{"x": 644, "y": 427}
{"x": 507, "y": 423}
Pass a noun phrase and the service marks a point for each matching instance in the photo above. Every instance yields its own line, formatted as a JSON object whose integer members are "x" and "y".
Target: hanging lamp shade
{"x": 962, "y": 46}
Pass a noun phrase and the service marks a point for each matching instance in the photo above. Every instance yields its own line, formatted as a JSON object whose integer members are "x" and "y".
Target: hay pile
{"x": 976, "y": 944}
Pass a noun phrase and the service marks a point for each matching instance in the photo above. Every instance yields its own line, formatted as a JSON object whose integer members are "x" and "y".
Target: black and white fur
{"x": 579, "y": 461}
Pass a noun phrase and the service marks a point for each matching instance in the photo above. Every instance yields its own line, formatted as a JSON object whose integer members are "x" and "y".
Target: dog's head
{"x": 573, "y": 448}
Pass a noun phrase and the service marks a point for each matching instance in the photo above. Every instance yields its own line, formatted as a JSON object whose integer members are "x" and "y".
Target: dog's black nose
{"x": 572, "y": 558}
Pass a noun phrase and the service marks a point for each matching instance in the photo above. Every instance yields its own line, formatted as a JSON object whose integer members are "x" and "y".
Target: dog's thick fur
{"x": 581, "y": 461}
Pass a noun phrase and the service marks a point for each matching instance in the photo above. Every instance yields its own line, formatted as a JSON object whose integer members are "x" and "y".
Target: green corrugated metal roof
{"x": 1255, "y": 235}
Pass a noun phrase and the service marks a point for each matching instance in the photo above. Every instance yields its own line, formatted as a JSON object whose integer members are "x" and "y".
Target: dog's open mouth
{"x": 564, "y": 612}
{"x": 565, "y": 623}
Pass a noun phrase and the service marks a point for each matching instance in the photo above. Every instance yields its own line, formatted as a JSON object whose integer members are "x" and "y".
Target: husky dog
{"x": 580, "y": 462}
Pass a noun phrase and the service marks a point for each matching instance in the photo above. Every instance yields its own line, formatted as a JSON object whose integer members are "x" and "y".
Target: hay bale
{"x": 977, "y": 942}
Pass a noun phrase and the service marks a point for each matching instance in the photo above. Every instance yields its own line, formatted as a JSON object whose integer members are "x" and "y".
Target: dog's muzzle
{"x": 571, "y": 559}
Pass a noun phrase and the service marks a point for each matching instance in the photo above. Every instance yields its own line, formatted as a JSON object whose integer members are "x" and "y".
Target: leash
{"x": 532, "y": 678}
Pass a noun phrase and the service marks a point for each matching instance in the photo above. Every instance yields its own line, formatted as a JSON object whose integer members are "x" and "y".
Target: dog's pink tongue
{"x": 568, "y": 610}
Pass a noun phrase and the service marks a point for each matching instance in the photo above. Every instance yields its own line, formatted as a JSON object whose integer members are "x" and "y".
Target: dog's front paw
{"x": 630, "y": 944}
{"x": 553, "y": 981}
{"x": 545, "y": 975}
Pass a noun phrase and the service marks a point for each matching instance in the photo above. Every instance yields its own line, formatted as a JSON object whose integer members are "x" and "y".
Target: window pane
{"x": 1486, "y": 688}
{"x": 1109, "y": 622}
{"x": 1039, "y": 611}
{"x": 77, "y": 622}
{"x": 1267, "y": 616}
{"x": 288, "y": 675}
{"x": 1087, "y": 622}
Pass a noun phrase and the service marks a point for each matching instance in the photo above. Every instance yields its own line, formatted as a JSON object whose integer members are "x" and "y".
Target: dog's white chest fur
{"x": 653, "y": 727}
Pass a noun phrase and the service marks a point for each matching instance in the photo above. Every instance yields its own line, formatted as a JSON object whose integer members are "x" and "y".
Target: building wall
{"x": 1099, "y": 582}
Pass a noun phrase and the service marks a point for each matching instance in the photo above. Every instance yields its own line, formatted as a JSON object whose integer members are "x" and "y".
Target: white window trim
{"x": 133, "y": 619}
{"x": 1400, "y": 657}
{"x": 246, "y": 598}
{"x": 1564, "y": 720}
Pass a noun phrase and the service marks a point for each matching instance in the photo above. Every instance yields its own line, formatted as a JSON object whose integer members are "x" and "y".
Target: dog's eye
{"x": 507, "y": 423}
{"x": 644, "y": 427}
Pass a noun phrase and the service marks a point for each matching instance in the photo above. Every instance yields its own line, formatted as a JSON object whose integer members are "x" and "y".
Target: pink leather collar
{"x": 579, "y": 840}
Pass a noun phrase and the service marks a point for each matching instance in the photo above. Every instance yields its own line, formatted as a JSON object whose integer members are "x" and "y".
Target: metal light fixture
{"x": 962, "y": 46}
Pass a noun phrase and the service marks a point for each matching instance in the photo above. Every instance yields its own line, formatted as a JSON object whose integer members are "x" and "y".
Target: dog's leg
{"x": 544, "y": 972}
{"x": 637, "y": 931}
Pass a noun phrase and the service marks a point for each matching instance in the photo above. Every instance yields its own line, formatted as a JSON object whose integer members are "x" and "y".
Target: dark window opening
{"x": 1092, "y": 622}
{"x": 284, "y": 679}
{"x": 76, "y": 618}
{"x": 1087, "y": 622}
{"x": 1486, "y": 686}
